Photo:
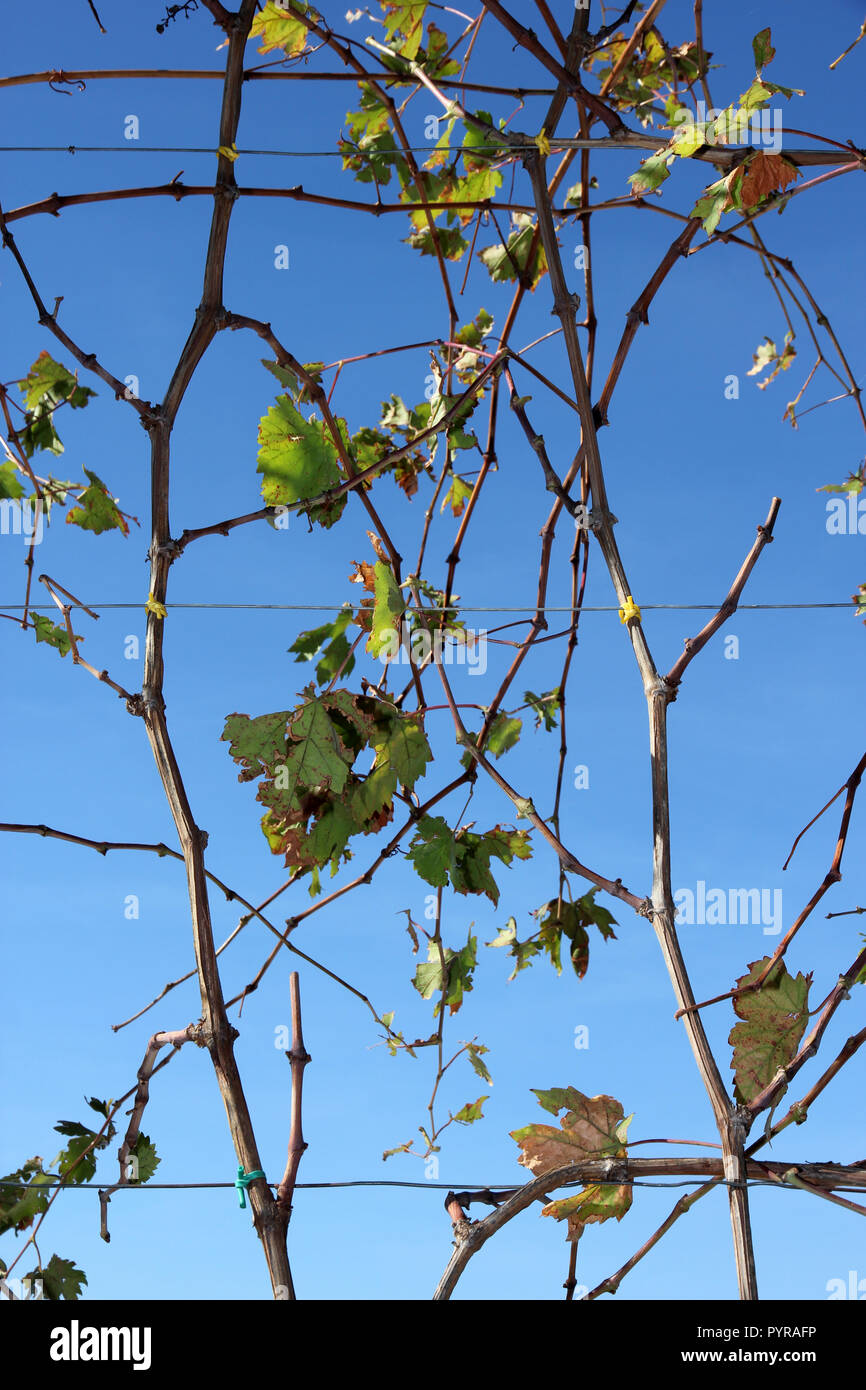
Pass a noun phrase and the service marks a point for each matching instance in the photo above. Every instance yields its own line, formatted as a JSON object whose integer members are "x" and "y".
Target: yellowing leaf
{"x": 277, "y": 27}
{"x": 593, "y": 1127}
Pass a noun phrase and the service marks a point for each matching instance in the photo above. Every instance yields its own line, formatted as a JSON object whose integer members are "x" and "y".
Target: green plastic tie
{"x": 243, "y": 1180}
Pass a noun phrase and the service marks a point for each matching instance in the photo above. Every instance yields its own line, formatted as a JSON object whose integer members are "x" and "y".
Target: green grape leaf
{"x": 714, "y": 201}
{"x": 374, "y": 794}
{"x": 257, "y": 744}
{"x": 855, "y": 482}
{"x": 431, "y": 850}
{"x": 388, "y": 608}
{"x": 651, "y": 174}
{"x": 49, "y": 632}
{"x": 470, "y": 1112}
{"x": 50, "y": 380}
{"x": 523, "y": 951}
{"x": 773, "y": 1021}
{"x": 298, "y": 459}
{"x": 20, "y": 1204}
{"x": 545, "y": 707}
{"x": 48, "y": 385}
{"x": 763, "y": 49}
{"x": 406, "y": 18}
{"x": 147, "y": 1158}
{"x": 77, "y": 1162}
{"x": 316, "y": 752}
{"x": 438, "y": 855}
{"x": 448, "y": 239}
{"x": 512, "y": 261}
{"x": 277, "y": 27}
{"x": 454, "y": 981}
{"x": 97, "y": 510}
{"x": 330, "y": 835}
{"x": 308, "y": 645}
{"x": 10, "y": 483}
{"x": 480, "y": 148}
{"x": 471, "y": 873}
{"x": 504, "y": 733}
{"x": 475, "y": 1053}
{"x": 570, "y": 920}
{"x": 61, "y": 1279}
{"x": 457, "y": 494}
{"x": 400, "y": 740}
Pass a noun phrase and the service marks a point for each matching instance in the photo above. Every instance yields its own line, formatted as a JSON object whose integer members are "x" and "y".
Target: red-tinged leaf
{"x": 773, "y": 1021}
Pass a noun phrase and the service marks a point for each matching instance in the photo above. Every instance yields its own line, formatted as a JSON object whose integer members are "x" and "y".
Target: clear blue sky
{"x": 758, "y": 744}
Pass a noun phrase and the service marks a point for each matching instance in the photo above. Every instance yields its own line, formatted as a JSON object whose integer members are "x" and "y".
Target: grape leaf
{"x": 455, "y": 980}
{"x": 763, "y": 49}
{"x": 593, "y": 1127}
{"x": 48, "y": 378}
{"x": 60, "y": 1279}
{"x": 47, "y": 385}
{"x": 298, "y": 460}
{"x": 570, "y": 920}
{"x": 49, "y": 632}
{"x": 651, "y": 174}
{"x": 768, "y": 355}
{"x": 277, "y": 27}
{"x": 457, "y": 494}
{"x": 400, "y": 740}
{"x": 773, "y": 1021}
{"x": 315, "y": 758}
{"x": 766, "y": 174}
{"x": 504, "y": 733}
{"x": 336, "y": 654}
{"x": 431, "y": 850}
{"x": 257, "y": 744}
{"x": 405, "y": 17}
{"x": 470, "y": 1112}
{"x": 523, "y": 951}
{"x": 545, "y": 707}
{"x": 388, "y": 608}
{"x": 10, "y": 483}
{"x": 475, "y": 1052}
{"x": 19, "y": 1205}
{"x": 437, "y": 854}
{"x": 148, "y": 1160}
{"x": 513, "y": 260}
{"x": 97, "y": 510}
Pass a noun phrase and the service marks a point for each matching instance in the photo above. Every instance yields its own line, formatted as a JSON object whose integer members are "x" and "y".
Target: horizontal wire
{"x": 456, "y": 606}
{"x": 385, "y": 1182}
{"x": 134, "y": 148}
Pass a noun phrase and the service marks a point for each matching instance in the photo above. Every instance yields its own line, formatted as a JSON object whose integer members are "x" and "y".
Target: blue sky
{"x": 758, "y": 743}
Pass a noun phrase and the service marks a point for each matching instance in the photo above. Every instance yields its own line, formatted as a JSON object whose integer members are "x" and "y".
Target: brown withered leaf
{"x": 364, "y": 574}
{"x": 381, "y": 553}
{"x": 593, "y": 1127}
{"x": 766, "y": 174}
